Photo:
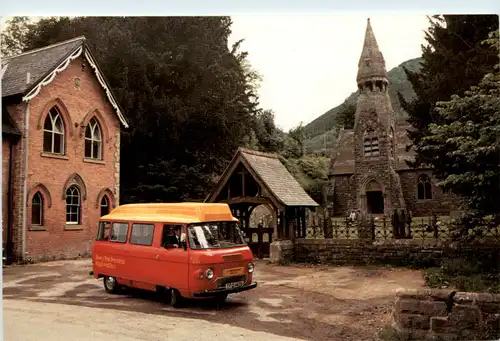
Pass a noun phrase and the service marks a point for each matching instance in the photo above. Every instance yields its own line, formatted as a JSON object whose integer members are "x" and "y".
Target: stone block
{"x": 442, "y": 326}
{"x": 429, "y": 308}
{"x": 412, "y": 321}
{"x": 489, "y": 307}
{"x": 433, "y": 308}
{"x": 424, "y": 294}
{"x": 491, "y": 323}
{"x": 281, "y": 250}
{"x": 465, "y": 297}
{"x": 465, "y": 316}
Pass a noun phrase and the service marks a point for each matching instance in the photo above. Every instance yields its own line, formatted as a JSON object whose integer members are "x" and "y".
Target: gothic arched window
{"x": 93, "y": 140}
{"x": 53, "y": 133}
{"x": 424, "y": 187}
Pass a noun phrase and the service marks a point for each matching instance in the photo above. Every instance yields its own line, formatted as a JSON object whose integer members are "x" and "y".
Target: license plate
{"x": 232, "y": 272}
{"x": 233, "y": 285}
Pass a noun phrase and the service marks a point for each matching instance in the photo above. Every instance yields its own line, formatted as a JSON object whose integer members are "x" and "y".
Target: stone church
{"x": 369, "y": 172}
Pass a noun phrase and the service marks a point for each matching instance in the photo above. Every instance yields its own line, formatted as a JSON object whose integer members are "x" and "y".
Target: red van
{"x": 190, "y": 250}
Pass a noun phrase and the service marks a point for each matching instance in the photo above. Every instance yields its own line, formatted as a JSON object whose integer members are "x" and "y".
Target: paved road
{"x": 60, "y": 301}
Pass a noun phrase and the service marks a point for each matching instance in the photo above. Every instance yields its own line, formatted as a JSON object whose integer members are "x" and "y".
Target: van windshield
{"x": 215, "y": 235}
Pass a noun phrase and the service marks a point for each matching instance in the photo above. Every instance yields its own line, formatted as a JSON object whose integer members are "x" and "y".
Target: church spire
{"x": 371, "y": 64}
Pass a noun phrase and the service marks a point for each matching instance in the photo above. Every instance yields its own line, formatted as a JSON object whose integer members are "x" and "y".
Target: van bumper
{"x": 210, "y": 293}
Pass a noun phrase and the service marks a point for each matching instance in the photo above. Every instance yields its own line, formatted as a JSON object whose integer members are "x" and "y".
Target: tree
{"x": 294, "y": 142}
{"x": 269, "y": 137}
{"x": 345, "y": 117}
{"x": 465, "y": 145}
{"x": 190, "y": 99}
{"x": 12, "y": 37}
{"x": 453, "y": 60}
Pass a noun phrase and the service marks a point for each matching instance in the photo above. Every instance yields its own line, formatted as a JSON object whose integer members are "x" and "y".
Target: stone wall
{"x": 402, "y": 252}
{"x": 282, "y": 251}
{"x": 357, "y": 251}
{"x": 445, "y": 314}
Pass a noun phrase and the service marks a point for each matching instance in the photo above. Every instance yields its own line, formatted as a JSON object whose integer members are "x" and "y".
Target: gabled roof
{"x": 272, "y": 174}
{"x": 343, "y": 156}
{"x": 25, "y": 74}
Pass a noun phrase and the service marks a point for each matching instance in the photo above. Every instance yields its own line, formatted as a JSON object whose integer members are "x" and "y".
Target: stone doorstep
{"x": 428, "y": 308}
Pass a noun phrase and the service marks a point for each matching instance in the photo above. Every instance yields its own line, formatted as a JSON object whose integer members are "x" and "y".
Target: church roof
{"x": 37, "y": 63}
{"x": 371, "y": 62}
{"x": 343, "y": 156}
{"x": 270, "y": 173}
{"x": 26, "y": 73}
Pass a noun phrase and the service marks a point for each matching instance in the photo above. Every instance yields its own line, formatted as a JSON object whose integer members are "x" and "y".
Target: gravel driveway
{"x": 291, "y": 303}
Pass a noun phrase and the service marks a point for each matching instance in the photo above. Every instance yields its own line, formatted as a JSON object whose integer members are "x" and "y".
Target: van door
{"x": 142, "y": 259}
{"x": 173, "y": 260}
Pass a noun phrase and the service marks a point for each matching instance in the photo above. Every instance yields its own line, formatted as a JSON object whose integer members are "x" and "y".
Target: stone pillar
{"x": 282, "y": 251}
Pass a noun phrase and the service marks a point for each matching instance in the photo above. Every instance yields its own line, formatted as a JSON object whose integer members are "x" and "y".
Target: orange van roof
{"x": 186, "y": 212}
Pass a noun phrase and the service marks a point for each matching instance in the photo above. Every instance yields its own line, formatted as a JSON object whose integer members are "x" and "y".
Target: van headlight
{"x": 250, "y": 267}
{"x": 209, "y": 273}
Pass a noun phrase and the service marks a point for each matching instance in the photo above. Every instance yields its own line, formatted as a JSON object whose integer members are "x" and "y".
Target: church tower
{"x": 378, "y": 187}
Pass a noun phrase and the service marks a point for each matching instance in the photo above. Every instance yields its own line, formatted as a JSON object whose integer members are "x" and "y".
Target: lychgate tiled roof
{"x": 343, "y": 158}
{"x": 271, "y": 174}
{"x": 37, "y": 62}
{"x": 275, "y": 175}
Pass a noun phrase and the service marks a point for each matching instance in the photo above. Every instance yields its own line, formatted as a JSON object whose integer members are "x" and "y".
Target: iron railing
{"x": 441, "y": 229}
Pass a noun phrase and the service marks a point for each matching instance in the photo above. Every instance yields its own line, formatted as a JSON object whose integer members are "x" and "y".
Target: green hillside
{"x": 321, "y": 133}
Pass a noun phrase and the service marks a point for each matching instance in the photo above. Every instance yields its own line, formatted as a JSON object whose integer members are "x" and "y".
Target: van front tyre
{"x": 175, "y": 298}
{"x": 221, "y": 298}
{"x": 110, "y": 284}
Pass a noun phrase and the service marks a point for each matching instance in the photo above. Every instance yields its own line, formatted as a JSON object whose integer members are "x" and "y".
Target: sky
{"x": 308, "y": 62}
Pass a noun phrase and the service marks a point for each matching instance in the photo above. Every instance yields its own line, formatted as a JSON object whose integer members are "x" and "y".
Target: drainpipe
{"x": 9, "y": 204}
{"x": 25, "y": 185}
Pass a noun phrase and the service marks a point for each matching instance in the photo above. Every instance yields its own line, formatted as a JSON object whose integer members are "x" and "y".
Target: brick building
{"x": 60, "y": 151}
{"x": 368, "y": 171}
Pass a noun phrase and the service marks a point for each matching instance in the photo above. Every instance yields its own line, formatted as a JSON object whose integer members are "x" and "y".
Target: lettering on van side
{"x": 108, "y": 261}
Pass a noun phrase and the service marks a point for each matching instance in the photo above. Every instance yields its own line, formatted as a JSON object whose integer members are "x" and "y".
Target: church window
{"x": 424, "y": 187}
{"x": 371, "y": 147}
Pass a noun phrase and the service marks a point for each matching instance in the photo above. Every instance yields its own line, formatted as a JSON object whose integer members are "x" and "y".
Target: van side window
{"x": 142, "y": 234}
{"x": 103, "y": 230}
{"x": 119, "y": 232}
{"x": 169, "y": 235}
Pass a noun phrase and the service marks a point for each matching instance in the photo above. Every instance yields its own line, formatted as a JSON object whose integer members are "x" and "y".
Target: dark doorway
{"x": 375, "y": 202}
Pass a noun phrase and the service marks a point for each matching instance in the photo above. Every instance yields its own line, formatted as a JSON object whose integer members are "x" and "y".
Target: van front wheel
{"x": 221, "y": 298}
{"x": 175, "y": 298}
{"x": 110, "y": 285}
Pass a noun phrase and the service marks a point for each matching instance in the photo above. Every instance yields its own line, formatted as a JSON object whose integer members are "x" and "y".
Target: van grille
{"x": 232, "y": 258}
{"x": 221, "y": 282}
